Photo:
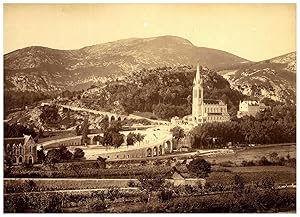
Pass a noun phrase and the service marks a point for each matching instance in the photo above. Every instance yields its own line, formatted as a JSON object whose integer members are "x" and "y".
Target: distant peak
{"x": 172, "y": 38}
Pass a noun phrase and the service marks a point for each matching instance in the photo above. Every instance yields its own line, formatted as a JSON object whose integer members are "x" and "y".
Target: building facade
{"x": 206, "y": 110}
{"x": 250, "y": 108}
{"x": 22, "y": 150}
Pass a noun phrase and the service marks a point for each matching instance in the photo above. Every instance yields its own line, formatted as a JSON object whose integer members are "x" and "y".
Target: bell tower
{"x": 197, "y": 108}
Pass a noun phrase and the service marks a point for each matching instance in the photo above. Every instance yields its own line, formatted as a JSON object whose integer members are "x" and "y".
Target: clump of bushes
{"x": 227, "y": 164}
{"x": 273, "y": 159}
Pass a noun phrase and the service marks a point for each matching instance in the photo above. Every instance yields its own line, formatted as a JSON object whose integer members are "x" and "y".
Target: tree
{"x": 131, "y": 138}
{"x": 178, "y": 133}
{"x": 139, "y": 137}
{"x": 104, "y": 123}
{"x": 115, "y": 127}
{"x": 108, "y": 138}
{"x": 151, "y": 182}
{"x": 8, "y": 162}
{"x": 274, "y": 157}
{"x": 41, "y": 157}
{"x": 58, "y": 155}
{"x": 50, "y": 115}
{"x": 85, "y": 130}
{"x": 199, "y": 167}
{"x": 65, "y": 154}
{"x": 263, "y": 161}
{"x": 53, "y": 156}
{"x": 77, "y": 130}
{"x": 117, "y": 140}
{"x": 101, "y": 162}
{"x": 99, "y": 139}
{"x": 78, "y": 153}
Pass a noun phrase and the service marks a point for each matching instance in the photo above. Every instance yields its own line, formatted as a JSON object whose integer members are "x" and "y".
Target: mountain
{"x": 273, "y": 78}
{"x": 42, "y": 69}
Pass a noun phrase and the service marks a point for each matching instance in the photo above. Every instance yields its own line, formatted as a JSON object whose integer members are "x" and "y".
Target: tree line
{"x": 277, "y": 125}
{"x": 19, "y": 130}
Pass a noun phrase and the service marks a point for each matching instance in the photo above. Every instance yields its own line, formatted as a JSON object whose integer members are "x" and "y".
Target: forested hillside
{"x": 165, "y": 91}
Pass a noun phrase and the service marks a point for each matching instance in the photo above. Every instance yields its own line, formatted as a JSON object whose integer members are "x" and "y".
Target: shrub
{"x": 226, "y": 164}
{"x": 248, "y": 163}
{"x": 264, "y": 161}
{"x": 131, "y": 183}
{"x": 200, "y": 167}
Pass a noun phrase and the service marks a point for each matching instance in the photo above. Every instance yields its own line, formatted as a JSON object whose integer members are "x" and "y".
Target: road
{"x": 131, "y": 116}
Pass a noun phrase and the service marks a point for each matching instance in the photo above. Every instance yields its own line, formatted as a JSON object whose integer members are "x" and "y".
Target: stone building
{"x": 206, "y": 110}
{"x": 250, "y": 108}
{"x": 21, "y": 149}
{"x": 184, "y": 178}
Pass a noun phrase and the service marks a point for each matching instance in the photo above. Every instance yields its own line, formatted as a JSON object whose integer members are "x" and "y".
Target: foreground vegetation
{"x": 158, "y": 196}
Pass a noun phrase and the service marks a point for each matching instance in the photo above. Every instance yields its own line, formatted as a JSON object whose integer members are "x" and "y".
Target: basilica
{"x": 205, "y": 110}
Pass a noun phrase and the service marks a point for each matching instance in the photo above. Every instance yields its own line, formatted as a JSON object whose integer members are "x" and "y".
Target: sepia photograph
{"x": 149, "y": 108}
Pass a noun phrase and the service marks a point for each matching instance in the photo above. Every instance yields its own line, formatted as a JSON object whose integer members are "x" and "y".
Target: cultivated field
{"x": 280, "y": 174}
{"x": 255, "y": 153}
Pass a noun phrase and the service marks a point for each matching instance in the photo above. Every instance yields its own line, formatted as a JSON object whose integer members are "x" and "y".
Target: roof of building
{"x": 17, "y": 140}
{"x": 179, "y": 174}
{"x": 213, "y": 101}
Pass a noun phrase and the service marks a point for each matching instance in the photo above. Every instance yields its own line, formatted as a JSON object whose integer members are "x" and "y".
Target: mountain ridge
{"x": 274, "y": 78}
{"x": 43, "y": 69}
{"x": 56, "y": 70}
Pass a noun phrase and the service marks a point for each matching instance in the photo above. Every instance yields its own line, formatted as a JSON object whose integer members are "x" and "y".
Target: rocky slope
{"x": 42, "y": 69}
{"x": 274, "y": 78}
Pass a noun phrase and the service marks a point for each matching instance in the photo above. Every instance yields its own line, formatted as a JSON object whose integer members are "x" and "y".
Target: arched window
{"x": 30, "y": 161}
{"x": 20, "y": 150}
{"x": 30, "y": 149}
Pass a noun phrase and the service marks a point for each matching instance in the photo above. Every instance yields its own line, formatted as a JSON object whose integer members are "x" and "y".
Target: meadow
{"x": 255, "y": 153}
{"x": 280, "y": 174}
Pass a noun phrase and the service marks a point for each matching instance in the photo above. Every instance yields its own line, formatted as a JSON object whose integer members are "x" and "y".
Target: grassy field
{"x": 280, "y": 174}
{"x": 57, "y": 135}
{"x": 255, "y": 153}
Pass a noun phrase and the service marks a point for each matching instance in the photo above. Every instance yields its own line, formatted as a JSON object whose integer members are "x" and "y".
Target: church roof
{"x": 17, "y": 140}
{"x": 213, "y": 101}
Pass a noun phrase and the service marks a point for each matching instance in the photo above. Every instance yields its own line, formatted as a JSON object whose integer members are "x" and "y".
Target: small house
{"x": 184, "y": 178}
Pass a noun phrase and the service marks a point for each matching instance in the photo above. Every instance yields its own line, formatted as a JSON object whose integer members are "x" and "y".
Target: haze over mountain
{"x": 274, "y": 78}
{"x": 45, "y": 69}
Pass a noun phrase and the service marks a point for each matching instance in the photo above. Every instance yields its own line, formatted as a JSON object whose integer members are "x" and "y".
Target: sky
{"x": 252, "y": 31}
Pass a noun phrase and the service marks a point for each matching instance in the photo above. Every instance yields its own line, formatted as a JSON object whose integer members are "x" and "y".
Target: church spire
{"x": 198, "y": 73}
{"x": 198, "y": 79}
